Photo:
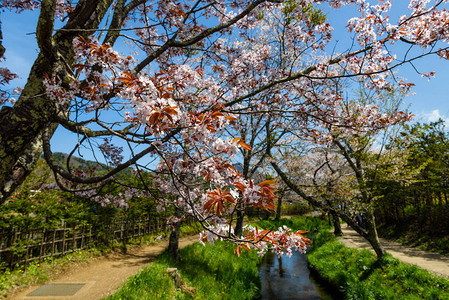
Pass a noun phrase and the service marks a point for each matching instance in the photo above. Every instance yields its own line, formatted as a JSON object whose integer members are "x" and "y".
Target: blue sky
{"x": 430, "y": 102}
{"x": 431, "y": 98}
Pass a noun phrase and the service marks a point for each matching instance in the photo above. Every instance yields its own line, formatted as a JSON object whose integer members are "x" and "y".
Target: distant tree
{"x": 342, "y": 175}
{"x": 421, "y": 205}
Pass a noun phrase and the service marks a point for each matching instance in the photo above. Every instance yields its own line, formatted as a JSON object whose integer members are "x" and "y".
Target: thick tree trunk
{"x": 21, "y": 129}
{"x": 173, "y": 241}
{"x": 336, "y": 223}
{"x": 23, "y": 166}
{"x": 279, "y": 209}
{"x": 22, "y": 126}
{"x": 238, "y": 231}
{"x": 369, "y": 232}
{"x": 372, "y": 236}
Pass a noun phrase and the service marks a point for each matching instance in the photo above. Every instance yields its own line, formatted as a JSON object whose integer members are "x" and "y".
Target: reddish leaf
{"x": 301, "y": 231}
{"x": 267, "y": 183}
{"x": 270, "y": 205}
{"x": 170, "y": 110}
{"x": 238, "y": 249}
{"x": 240, "y": 186}
{"x": 217, "y": 114}
{"x": 245, "y": 146}
{"x": 154, "y": 118}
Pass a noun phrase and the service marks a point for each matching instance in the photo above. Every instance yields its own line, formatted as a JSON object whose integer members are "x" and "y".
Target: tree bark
{"x": 173, "y": 241}
{"x": 22, "y": 126}
{"x": 279, "y": 209}
{"x": 369, "y": 233}
{"x": 336, "y": 223}
{"x": 372, "y": 236}
{"x": 238, "y": 231}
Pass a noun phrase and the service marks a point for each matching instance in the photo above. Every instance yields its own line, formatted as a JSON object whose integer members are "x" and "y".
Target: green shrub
{"x": 311, "y": 224}
{"x": 191, "y": 228}
{"x": 321, "y": 238}
{"x": 296, "y": 209}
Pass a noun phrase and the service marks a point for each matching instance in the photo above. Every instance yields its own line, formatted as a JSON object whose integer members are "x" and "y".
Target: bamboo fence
{"x": 19, "y": 247}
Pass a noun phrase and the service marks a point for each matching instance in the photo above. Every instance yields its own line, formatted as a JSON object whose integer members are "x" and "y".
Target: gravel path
{"x": 433, "y": 262}
{"x": 105, "y": 275}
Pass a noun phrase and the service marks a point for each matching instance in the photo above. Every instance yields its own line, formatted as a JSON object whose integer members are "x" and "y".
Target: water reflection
{"x": 289, "y": 278}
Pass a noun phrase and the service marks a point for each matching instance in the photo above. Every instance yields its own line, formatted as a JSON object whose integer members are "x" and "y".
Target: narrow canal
{"x": 289, "y": 278}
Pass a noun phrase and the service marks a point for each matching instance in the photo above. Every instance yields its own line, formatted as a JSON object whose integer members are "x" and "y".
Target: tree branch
{"x": 44, "y": 30}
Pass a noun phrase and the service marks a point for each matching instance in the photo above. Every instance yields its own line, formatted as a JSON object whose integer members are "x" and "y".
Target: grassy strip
{"x": 214, "y": 271}
{"x": 190, "y": 229}
{"x": 359, "y": 275}
{"x": 311, "y": 224}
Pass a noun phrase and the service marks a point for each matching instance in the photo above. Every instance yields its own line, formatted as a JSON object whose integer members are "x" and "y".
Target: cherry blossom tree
{"x": 188, "y": 69}
{"x": 340, "y": 175}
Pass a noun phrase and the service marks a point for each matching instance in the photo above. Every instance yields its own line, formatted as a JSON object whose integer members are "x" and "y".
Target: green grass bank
{"x": 357, "y": 274}
{"x": 214, "y": 271}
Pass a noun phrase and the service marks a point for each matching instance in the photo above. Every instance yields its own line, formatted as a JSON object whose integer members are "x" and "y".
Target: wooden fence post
{"x": 9, "y": 254}
{"x": 63, "y": 240}
{"x": 74, "y": 238}
{"x": 90, "y": 237}
{"x": 41, "y": 252}
{"x": 53, "y": 242}
{"x": 82, "y": 236}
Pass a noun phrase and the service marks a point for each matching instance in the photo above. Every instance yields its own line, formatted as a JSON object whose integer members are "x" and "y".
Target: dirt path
{"x": 433, "y": 262}
{"x": 105, "y": 275}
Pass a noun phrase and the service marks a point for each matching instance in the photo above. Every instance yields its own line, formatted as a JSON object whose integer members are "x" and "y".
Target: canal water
{"x": 289, "y": 278}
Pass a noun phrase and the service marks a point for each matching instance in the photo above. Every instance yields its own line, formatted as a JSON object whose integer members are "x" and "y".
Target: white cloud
{"x": 434, "y": 116}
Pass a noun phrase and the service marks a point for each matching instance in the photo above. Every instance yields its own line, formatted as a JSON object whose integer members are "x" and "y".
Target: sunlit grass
{"x": 311, "y": 224}
{"x": 359, "y": 275}
{"x": 214, "y": 271}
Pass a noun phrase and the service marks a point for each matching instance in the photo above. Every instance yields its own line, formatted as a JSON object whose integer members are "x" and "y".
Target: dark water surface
{"x": 289, "y": 278}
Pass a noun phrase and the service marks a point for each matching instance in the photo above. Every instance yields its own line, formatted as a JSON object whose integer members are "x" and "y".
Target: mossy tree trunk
{"x": 22, "y": 126}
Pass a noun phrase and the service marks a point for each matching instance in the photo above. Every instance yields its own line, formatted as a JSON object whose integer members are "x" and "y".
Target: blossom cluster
{"x": 281, "y": 241}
